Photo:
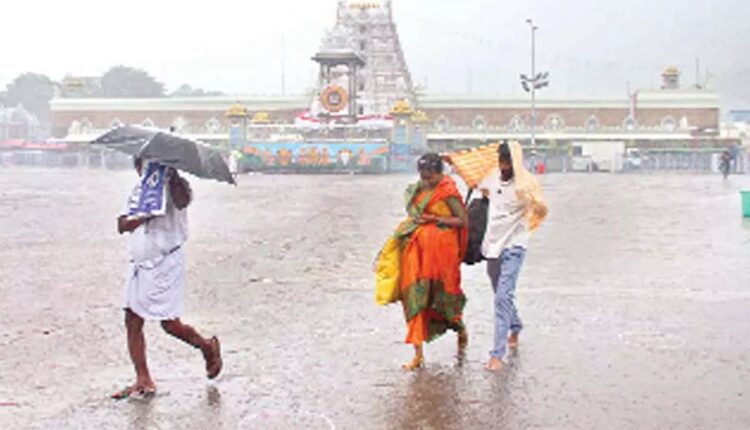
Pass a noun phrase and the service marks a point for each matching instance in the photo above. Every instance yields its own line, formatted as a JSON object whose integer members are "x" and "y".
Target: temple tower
{"x": 366, "y": 30}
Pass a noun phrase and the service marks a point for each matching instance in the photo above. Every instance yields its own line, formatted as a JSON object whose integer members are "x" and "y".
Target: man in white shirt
{"x": 155, "y": 281}
{"x": 504, "y": 248}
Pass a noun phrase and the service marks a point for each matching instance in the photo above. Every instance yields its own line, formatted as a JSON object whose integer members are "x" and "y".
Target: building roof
{"x": 685, "y": 98}
{"x": 214, "y": 103}
{"x": 663, "y": 99}
{"x": 655, "y": 99}
{"x": 338, "y": 56}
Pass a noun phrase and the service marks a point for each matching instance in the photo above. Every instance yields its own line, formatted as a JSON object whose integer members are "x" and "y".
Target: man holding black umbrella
{"x": 157, "y": 272}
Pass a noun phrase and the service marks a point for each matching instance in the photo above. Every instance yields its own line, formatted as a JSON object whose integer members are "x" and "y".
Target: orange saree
{"x": 430, "y": 274}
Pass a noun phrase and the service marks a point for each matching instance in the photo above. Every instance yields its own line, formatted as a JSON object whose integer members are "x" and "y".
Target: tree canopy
{"x": 122, "y": 81}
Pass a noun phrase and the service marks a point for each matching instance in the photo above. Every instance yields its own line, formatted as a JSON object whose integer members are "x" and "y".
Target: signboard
{"x": 149, "y": 198}
{"x": 318, "y": 155}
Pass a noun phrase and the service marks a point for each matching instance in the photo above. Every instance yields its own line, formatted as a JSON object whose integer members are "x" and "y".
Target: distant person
{"x": 234, "y": 161}
{"x": 725, "y": 163}
{"x": 533, "y": 161}
{"x": 155, "y": 282}
{"x": 516, "y": 207}
{"x": 431, "y": 245}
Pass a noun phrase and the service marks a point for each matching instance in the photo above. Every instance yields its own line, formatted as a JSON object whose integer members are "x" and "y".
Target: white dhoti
{"x": 154, "y": 287}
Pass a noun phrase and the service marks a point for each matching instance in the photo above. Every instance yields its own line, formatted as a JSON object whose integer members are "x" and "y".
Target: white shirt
{"x": 159, "y": 236}
{"x": 506, "y": 223}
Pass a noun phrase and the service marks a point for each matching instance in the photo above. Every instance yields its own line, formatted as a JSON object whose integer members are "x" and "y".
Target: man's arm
{"x": 180, "y": 190}
{"x": 127, "y": 225}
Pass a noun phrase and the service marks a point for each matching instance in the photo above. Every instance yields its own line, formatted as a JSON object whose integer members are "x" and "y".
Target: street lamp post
{"x": 533, "y": 87}
{"x": 535, "y": 82}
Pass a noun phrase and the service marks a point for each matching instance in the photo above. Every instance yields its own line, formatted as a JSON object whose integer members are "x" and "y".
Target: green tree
{"x": 185, "y": 90}
{"x": 34, "y": 92}
{"x": 122, "y": 81}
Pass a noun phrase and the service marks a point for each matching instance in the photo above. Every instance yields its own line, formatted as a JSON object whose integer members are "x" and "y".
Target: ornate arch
{"x": 442, "y": 123}
{"x": 554, "y": 122}
{"x": 668, "y": 123}
{"x": 592, "y": 123}
{"x": 516, "y": 123}
{"x": 213, "y": 125}
{"x": 85, "y": 126}
{"x": 479, "y": 123}
{"x": 629, "y": 123}
{"x": 180, "y": 124}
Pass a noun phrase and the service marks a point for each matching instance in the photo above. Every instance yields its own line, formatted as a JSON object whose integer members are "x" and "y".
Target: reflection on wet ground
{"x": 634, "y": 295}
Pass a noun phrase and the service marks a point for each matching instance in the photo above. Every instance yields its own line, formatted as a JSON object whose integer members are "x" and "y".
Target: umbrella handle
{"x": 468, "y": 195}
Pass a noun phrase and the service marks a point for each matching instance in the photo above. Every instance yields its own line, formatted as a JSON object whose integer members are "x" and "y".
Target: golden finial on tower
{"x": 402, "y": 107}
{"x": 236, "y": 111}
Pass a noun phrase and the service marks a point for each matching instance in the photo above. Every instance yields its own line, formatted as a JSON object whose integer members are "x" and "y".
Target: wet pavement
{"x": 635, "y": 296}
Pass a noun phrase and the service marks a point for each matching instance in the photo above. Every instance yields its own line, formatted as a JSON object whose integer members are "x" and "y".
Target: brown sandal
{"x": 213, "y": 361}
{"x": 134, "y": 392}
{"x": 416, "y": 363}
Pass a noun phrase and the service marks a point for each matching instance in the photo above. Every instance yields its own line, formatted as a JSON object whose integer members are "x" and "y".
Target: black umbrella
{"x": 184, "y": 154}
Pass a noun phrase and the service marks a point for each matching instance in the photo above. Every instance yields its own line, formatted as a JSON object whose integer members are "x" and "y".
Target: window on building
{"x": 442, "y": 123}
{"x": 554, "y": 122}
{"x": 75, "y": 127}
{"x": 516, "y": 123}
{"x": 629, "y": 123}
{"x": 85, "y": 126}
{"x": 213, "y": 125}
{"x": 148, "y": 123}
{"x": 669, "y": 124}
{"x": 592, "y": 123}
{"x": 115, "y": 123}
{"x": 180, "y": 124}
{"x": 479, "y": 123}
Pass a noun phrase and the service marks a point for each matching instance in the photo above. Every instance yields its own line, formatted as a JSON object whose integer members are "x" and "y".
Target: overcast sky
{"x": 590, "y": 47}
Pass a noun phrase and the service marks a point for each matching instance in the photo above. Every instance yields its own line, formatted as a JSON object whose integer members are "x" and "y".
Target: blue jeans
{"x": 503, "y": 273}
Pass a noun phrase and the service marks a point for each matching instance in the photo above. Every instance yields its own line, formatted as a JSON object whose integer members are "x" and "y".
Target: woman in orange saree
{"x": 433, "y": 241}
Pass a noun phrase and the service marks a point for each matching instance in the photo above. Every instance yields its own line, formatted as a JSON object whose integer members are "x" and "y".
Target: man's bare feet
{"x": 463, "y": 339}
{"x": 213, "y": 358}
{"x": 414, "y": 364}
{"x": 494, "y": 365}
{"x": 513, "y": 340}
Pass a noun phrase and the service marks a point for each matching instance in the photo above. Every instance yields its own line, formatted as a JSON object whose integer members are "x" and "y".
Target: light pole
{"x": 533, "y": 87}
{"x": 535, "y": 82}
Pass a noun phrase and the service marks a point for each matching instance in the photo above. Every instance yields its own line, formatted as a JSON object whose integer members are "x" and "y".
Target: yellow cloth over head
{"x": 475, "y": 164}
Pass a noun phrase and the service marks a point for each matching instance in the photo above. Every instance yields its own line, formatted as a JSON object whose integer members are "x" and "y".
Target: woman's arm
{"x": 453, "y": 222}
{"x": 457, "y": 220}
